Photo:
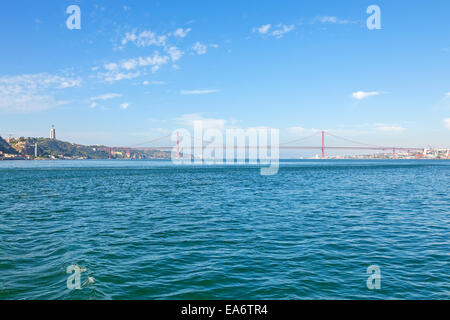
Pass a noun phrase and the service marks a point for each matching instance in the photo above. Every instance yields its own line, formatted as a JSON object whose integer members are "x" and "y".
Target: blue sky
{"x": 137, "y": 70}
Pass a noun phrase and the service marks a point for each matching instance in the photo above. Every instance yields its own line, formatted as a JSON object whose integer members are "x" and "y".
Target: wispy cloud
{"x": 189, "y": 120}
{"x": 282, "y": 30}
{"x": 444, "y": 102}
{"x": 180, "y": 32}
{"x": 264, "y": 29}
{"x": 199, "y": 48}
{"x": 447, "y": 123}
{"x": 389, "y": 128}
{"x": 359, "y": 95}
{"x": 277, "y": 31}
{"x": 40, "y": 80}
{"x": 301, "y": 131}
{"x": 124, "y": 105}
{"x": 330, "y": 20}
{"x": 117, "y": 76}
{"x": 110, "y": 66}
{"x": 94, "y": 101}
{"x": 32, "y": 92}
{"x": 198, "y": 92}
{"x": 153, "y": 82}
{"x": 128, "y": 69}
{"x": 144, "y": 39}
{"x": 106, "y": 96}
{"x": 175, "y": 53}
{"x": 149, "y": 38}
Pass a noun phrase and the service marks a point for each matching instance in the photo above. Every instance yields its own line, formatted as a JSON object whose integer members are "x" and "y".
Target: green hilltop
{"x": 50, "y": 148}
{"x": 24, "y": 148}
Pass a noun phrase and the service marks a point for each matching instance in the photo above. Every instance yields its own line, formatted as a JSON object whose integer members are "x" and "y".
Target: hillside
{"x": 24, "y": 148}
{"x": 5, "y": 147}
{"x": 48, "y": 148}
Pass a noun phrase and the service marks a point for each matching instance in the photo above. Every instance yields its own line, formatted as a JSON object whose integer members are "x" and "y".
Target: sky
{"x": 138, "y": 70}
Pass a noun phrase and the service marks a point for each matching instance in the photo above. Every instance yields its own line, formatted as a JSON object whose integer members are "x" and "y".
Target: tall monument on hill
{"x": 52, "y": 133}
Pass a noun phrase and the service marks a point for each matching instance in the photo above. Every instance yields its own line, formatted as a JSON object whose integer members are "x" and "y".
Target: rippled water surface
{"x": 152, "y": 230}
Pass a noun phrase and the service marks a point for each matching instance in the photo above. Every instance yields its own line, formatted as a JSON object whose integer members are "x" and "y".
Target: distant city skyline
{"x": 137, "y": 71}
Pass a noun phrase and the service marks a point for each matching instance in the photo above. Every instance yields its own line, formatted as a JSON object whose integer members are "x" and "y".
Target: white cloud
{"x": 124, "y": 106}
{"x": 175, "y": 53}
{"x": 359, "y": 95}
{"x": 106, "y": 96}
{"x": 447, "y": 123}
{"x": 264, "y": 28}
{"x": 447, "y": 95}
{"x": 111, "y": 77}
{"x": 156, "y": 60}
{"x": 26, "y": 102}
{"x": 110, "y": 66}
{"x": 32, "y": 92}
{"x": 40, "y": 80}
{"x": 282, "y": 30}
{"x": 278, "y": 31}
{"x": 144, "y": 39}
{"x": 389, "y": 128}
{"x": 300, "y": 131}
{"x": 330, "y": 20}
{"x": 188, "y": 120}
{"x": 94, "y": 104}
{"x": 180, "y": 32}
{"x": 198, "y": 92}
{"x": 199, "y": 48}
{"x": 146, "y": 82}
{"x": 69, "y": 83}
{"x": 121, "y": 70}
{"x": 129, "y": 64}
{"x": 147, "y": 38}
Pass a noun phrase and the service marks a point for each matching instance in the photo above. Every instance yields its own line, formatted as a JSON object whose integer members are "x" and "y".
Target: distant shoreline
{"x": 284, "y": 159}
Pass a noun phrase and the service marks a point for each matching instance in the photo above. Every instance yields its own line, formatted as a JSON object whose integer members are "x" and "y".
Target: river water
{"x": 153, "y": 230}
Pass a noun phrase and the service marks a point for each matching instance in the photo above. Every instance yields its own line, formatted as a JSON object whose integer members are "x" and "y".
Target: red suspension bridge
{"x": 290, "y": 145}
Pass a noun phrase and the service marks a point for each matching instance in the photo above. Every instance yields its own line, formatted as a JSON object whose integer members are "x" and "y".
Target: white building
{"x": 52, "y": 133}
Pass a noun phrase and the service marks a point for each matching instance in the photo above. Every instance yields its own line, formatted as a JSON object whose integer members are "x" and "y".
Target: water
{"x": 151, "y": 230}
